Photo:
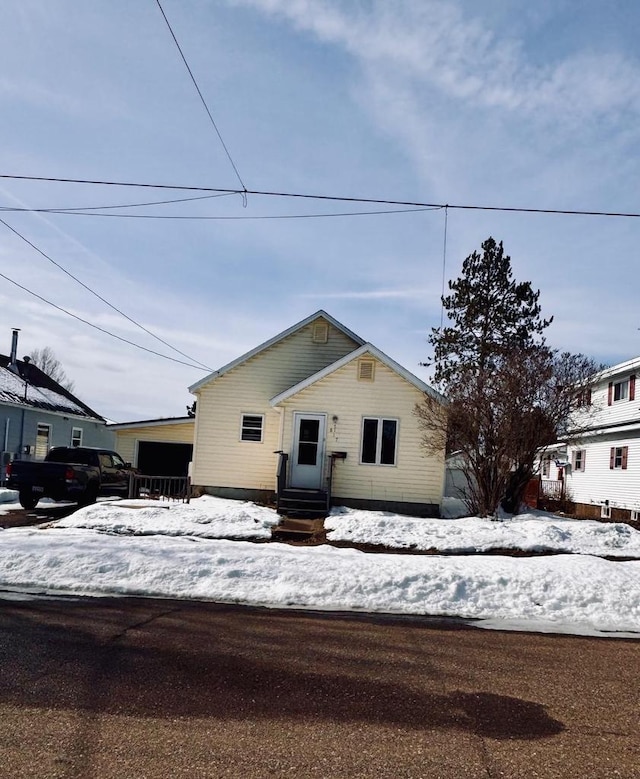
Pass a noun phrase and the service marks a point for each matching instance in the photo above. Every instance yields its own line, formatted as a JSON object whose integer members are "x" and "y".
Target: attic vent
{"x": 320, "y": 332}
{"x": 365, "y": 370}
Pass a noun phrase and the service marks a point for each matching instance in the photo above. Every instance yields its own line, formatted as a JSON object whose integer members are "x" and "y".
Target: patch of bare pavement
{"x": 144, "y": 688}
{"x": 38, "y": 515}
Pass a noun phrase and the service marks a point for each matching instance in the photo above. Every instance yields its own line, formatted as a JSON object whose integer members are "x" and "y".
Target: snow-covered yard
{"x": 174, "y": 550}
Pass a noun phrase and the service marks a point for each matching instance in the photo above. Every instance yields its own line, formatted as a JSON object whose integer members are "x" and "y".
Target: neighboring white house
{"x": 315, "y": 412}
{"x": 603, "y": 475}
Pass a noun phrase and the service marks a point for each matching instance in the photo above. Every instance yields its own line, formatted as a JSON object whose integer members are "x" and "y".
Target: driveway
{"x": 142, "y": 688}
{"x": 41, "y": 513}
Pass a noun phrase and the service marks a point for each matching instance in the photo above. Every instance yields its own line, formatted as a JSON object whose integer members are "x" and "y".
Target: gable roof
{"x": 34, "y": 389}
{"x": 280, "y": 337}
{"x": 629, "y": 366}
{"x": 366, "y": 348}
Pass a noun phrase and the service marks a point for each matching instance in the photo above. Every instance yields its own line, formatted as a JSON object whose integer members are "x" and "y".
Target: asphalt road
{"x": 143, "y": 689}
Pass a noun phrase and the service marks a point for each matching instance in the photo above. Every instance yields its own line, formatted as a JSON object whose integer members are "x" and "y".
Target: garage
{"x": 156, "y": 447}
{"x": 164, "y": 459}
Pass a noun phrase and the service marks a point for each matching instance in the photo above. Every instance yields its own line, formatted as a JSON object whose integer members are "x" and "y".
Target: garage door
{"x": 158, "y": 459}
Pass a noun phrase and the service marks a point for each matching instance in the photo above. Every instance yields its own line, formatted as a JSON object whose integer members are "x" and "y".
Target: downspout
{"x": 3, "y": 472}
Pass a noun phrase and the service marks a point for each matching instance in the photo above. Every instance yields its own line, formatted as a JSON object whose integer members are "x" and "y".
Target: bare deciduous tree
{"x": 46, "y": 360}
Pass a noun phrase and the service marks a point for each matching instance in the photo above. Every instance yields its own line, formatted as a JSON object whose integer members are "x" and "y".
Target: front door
{"x": 308, "y": 451}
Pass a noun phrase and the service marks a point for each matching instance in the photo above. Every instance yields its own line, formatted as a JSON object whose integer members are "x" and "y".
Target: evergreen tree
{"x": 490, "y": 313}
{"x": 508, "y": 393}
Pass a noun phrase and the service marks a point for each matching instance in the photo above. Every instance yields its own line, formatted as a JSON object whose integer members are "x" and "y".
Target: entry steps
{"x": 309, "y": 504}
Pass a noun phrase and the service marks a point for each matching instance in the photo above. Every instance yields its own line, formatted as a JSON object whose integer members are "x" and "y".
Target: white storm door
{"x": 308, "y": 450}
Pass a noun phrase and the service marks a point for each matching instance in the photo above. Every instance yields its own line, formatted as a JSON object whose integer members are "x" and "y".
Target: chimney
{"x": 13, "y": 365}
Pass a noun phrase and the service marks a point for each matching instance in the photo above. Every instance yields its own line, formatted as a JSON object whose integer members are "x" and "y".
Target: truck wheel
{"x": 90, "y": 496}
{"x": 27, "y": 499}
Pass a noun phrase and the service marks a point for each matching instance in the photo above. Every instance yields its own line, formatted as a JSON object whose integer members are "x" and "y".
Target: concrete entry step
{"x": 298, "y": 529}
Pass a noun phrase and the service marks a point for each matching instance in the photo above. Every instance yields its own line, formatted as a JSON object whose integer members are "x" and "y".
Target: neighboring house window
{"x": 584, "y": 397}
{"x": 546, "y": 466}
{"x": 635, "y": 515}
{"x": 622, "y": 390}
{"x": 379, "y": 438}
{"x": 366, "y": 370}
{"x": 579, "y": 457}
{"x": 605, "y": 511}
{"x": 252, "y": 425}
{"x": 43, "y": 437}
{"x": 320, "y": 333}
{"x": 76, "y": 436}
{"x": 618, "y": 457}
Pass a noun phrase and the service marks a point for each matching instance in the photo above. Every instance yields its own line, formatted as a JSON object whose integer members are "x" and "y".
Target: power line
{"x": 117, "y": 205}
{"x": 334, "y": 198}
{"x": 85, "y": 286}
{"x": 206, "y": 107}
{"x": 96, "y": 327}
{"x": 88, "y": 212}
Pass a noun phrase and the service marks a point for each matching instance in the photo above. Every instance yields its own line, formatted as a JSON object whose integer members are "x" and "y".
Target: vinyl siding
{"x": 598, "y": 483}
{"x": 221, "y": 459}
{"x": 619, "y": 412}
{"x": 126, "y": 441}
{"x": 416, "y": 477}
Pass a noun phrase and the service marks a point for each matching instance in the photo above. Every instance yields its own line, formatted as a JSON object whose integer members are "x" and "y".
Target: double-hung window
{"x": 251, "y": 427}
{"x": 579, "y": 457}
{"x": 618, "y": 457}
{"x": 379, "y": 441}
{"x": 76, "y": 436}
{"x": 625, "y": 389}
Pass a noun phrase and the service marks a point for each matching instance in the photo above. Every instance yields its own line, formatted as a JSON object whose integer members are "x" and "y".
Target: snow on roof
{"x": 35, "y": 389}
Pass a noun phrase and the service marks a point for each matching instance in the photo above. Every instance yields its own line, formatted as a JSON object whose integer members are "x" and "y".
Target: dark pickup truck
{"x": 69, "y": 473}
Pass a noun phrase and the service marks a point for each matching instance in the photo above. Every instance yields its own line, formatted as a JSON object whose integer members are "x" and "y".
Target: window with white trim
{"x": 379, "y": 441}
{"x": 251, "y": 427}
{"x": 546, "y": 467}
{"x": 605, "y": 511}
{"x": 579, "y": 457}
{"x": 76, "y": 436}
{"x": 635, "y": 515}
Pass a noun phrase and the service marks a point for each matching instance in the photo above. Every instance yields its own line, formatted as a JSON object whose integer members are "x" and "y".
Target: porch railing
{"x": 552, "y": 488}
{"x": 281, "y": 476}
{"x": 160, "y": 487}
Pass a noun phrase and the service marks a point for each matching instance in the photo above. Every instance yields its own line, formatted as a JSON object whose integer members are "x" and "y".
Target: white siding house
{"x": 330, "y": 413}
{"x": 603, "y": 476}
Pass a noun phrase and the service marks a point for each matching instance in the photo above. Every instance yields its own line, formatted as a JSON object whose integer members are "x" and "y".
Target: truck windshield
{"x": 74, "y": 456}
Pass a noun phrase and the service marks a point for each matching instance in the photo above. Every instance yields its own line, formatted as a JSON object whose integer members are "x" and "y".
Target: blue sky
{"x": 517, "y": 104}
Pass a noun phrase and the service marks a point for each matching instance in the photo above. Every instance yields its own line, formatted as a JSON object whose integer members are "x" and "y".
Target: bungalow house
{"x": 37, "y": 413}
{"x": 603, "y": 471}
{"x": 315, "y": 416}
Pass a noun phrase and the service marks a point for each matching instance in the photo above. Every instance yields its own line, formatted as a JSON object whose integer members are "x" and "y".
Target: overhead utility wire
{"x": 334, "y": 198}
{"x": 114, "y": 308}
{"x": 96, "y": 327}
{"x": 117, "y": 205}
{"x": 206, "y": 107}
{"x": 88, "y": 212}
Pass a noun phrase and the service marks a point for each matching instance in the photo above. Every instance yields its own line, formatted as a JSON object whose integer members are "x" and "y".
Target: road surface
{"x": 124, "y": 689}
